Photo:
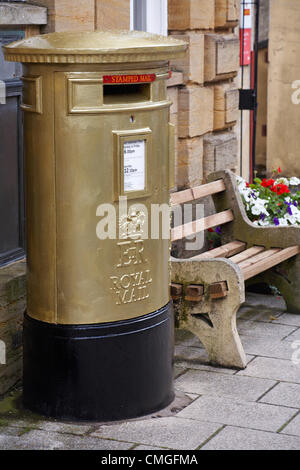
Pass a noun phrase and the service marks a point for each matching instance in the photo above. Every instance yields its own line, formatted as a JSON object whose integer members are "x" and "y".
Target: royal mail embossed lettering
{"x": 131, "y": 287}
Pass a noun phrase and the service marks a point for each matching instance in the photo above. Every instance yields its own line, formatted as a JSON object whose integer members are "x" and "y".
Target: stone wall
{"x": 85, "y": 15}
{"x": 207, "y": 108}
{"x": 12, "y": 307}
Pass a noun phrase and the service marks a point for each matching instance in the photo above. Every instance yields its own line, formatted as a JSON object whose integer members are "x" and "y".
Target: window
{"x": 149, "y": 15}
{"x": 11, "y": 157}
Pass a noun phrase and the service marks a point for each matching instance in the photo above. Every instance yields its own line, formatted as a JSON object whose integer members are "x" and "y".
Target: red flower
{"x": 280, "y": 189}
{"x": 279, "y": 170}
{"x": 268, "y": 183}
{"x": 247, "y": 185}
{"x": 210, "y": 229}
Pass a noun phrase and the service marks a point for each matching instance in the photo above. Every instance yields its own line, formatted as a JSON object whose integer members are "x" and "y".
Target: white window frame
{"x": 154, "y": 18}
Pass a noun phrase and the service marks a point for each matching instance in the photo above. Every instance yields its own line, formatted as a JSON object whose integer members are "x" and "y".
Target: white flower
{"x": 294, "y": 181}
{"x": 282, "y": 180}
{"x": 263, "y": 223}
{"x": 255, "y": 210}
{"x": 283, "y": 221}
{"x": 291, "y": 219}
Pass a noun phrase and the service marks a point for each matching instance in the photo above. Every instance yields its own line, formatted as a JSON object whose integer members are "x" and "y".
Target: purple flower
{"x": 276, "y": 221}
{"x": 295, "y": 203}
{"x": 289, "y": 207}
{"x": 262, "y": 216}
{"x": 218, "y": 230}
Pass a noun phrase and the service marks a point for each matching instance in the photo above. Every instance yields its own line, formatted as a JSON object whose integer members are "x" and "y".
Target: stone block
{"x": 195, "y": 111}
{"x": 12, "y": 306}
{"x": 195, "y": 14}
{"x": 219, "y": 152}
{"x": 221, "y": 56}
{"x": 22, "y": 14}
{"x": 114, "y": 14}
{"x": 189, "y": 163}
{"x": 172, "y": 93}
{"x": 192, "y": 65}
{"x": 226, "y": 105}
{"x": 226, "y": 13}
{"x": 67, "y": 15}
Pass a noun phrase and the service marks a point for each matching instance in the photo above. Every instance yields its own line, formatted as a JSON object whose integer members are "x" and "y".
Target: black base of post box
{"x": 99, "y": 372}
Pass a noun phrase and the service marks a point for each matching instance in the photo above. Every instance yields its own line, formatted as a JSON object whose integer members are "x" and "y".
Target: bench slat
{"x": 264, "y": 264}
{"x": 189, "y": 195}
{"x": 191, "y": 228}
{"x": 224, "y": 251}
{"x": 254, "y": 250}
{"x": 257, "y": 258}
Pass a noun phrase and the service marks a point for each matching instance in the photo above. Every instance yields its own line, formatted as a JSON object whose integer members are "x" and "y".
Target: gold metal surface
{"x": 73, "y": 159}
{"x": 171, "y": 155}
{"x": 32, "y": 94}
{"x": 95, "y": 47}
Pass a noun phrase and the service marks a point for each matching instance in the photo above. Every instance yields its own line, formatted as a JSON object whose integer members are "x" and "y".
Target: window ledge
{"x": 176, "y": 79}
{"x": 22, "y": 14}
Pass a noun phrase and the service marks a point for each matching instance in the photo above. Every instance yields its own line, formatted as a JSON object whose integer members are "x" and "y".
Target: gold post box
{"x": 98, "y": 159}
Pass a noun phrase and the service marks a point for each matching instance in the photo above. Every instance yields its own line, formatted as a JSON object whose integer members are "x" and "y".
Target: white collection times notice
{"x": 134, "y": 165}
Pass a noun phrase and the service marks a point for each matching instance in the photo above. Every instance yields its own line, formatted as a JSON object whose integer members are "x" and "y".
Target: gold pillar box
{"x": 87, "y": 96}
{"x": 98, "y": 149}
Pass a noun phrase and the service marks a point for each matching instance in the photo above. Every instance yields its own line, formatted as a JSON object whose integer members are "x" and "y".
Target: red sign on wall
{"x": 245, "y": 43}
{"x": 245, "y": 33}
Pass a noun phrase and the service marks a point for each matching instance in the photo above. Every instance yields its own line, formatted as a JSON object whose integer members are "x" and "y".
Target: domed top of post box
{"x": 95, "y": 47}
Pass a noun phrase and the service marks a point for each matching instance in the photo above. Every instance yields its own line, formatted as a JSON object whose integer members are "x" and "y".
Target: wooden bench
{"x": 208, "y": 289}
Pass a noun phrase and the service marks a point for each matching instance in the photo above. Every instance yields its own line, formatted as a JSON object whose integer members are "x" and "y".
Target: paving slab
{"x": 288, "y": 319}
{"x": 284, "y": 394}
{"x": 268, "y": 347}
{"x": 293, "y": 428}
{"x": 232, "y": 438}
{"x": 276, "y": 369}
{"x": 256, "y": 314}
{"x": 43, "y": 440}
{"x": 263, "y": 329}
{"x": 54, "y": 426}
{"x": 178, "y": 370}
{"x": 238, "y": 413}
{"x": 172, "y": 432}
{"x": 294, "y": 336}
{"x": 186, "y": 338}
{"x": 196, "y": 358}
{"x": 211, "y": 383}
{"x": 273, "y": 302}
{"x": 143, "y": 447}
{"x": 11, "y": 431}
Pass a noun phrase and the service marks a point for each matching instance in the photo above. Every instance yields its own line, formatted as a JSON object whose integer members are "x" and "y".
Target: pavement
{"x": 215, "y": 408}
